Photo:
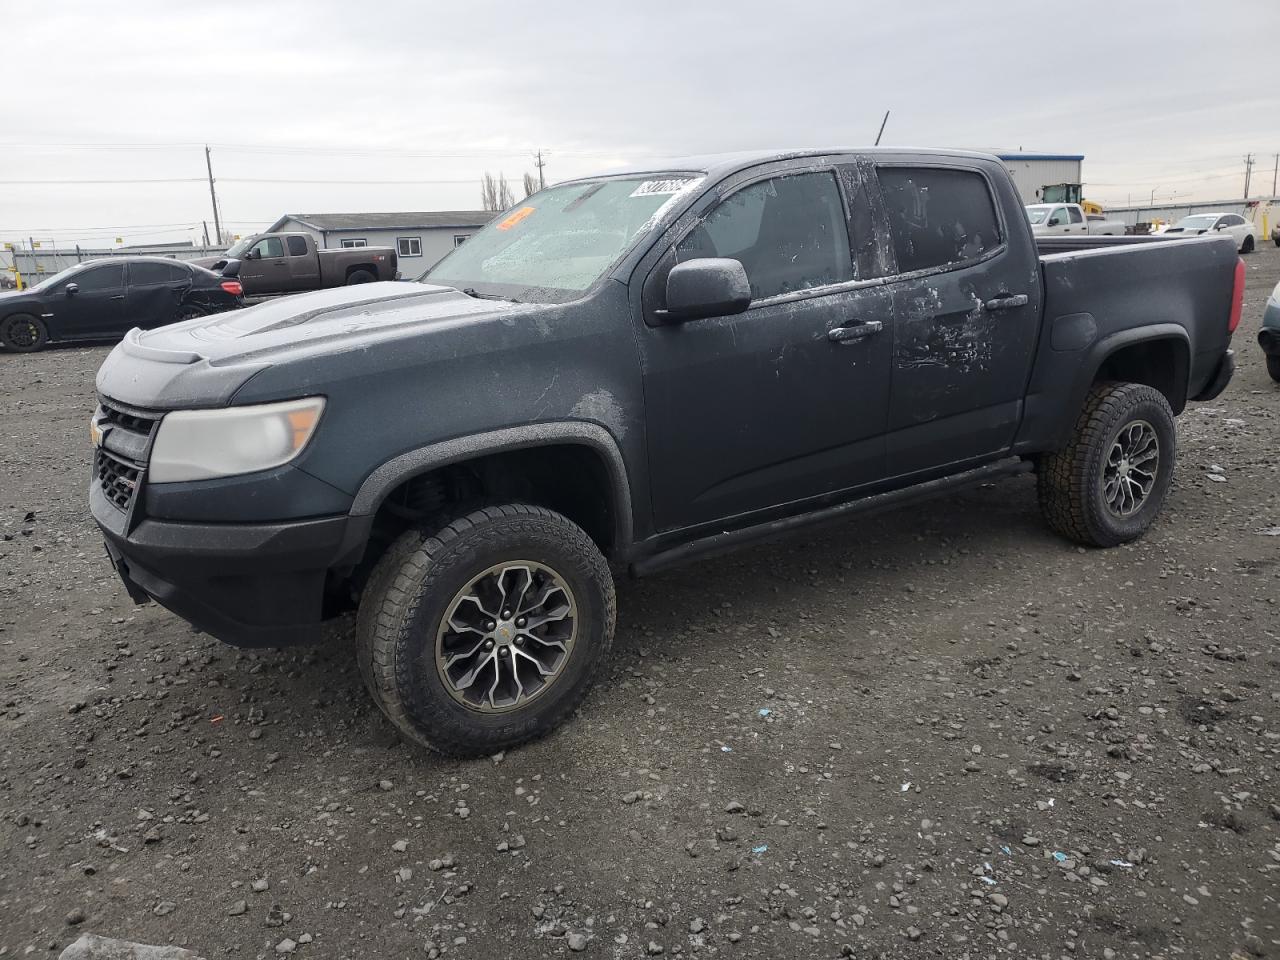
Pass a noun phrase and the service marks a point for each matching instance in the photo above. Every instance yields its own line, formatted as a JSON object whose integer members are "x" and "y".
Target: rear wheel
{"x": 360, "y": 276}
{"x": 1273, "y": 368}
{"x": 1247, "y": 246}
{"x": 189, "y": 311}
{"x": 23, "y": 333}
{"x": 487, "y": 633}
{"x": 1109, "y": 483}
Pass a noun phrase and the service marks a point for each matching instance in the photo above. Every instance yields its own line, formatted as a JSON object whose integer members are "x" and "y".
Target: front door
{"x": 265, "y": 269}
{"x": 96, "y": 309}
{"x": 967, "y": 300}
{"x": 756, "y": 410}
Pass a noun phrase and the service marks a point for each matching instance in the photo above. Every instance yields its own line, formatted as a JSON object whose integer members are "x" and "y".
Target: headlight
{"x": 201, "y": 444}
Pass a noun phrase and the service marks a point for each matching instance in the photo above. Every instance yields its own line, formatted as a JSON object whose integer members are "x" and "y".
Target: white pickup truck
{"x": 1049, "y": 219}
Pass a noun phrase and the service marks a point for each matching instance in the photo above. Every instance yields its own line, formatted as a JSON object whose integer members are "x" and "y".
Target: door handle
{"x": 855, "y": 330}
{"x": 119, "y": 297}
{"x": 1007, "y": 301}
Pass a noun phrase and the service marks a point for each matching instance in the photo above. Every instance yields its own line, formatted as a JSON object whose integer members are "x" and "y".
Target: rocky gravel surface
{"x": 937, "y": 732}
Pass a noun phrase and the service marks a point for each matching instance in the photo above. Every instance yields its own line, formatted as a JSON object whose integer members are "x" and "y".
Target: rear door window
{"x": 297, "y": 246}
{"x": 789, "y": 233}
{"x": 145, "y": 274}
{"x": 1076, "y": 215}
{"x": 938, "y": 216}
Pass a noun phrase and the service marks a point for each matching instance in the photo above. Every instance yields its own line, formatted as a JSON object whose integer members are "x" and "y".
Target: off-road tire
{"x": 360, "y": 276}
{"x": 10, "y": 339}
{"x": 1069, "y": 482}
{"x": 409, "y": 592}
{"x": 1247, "y": 246}
{"x": 1273, "y": 368}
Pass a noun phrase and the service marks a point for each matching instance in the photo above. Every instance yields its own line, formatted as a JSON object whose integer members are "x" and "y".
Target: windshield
{"x": 50, "y": 282}
{"x": 1038, "y": 214}
{"x": 1196, "y": 223}
{"x": 237, "y": 249}
{"x": 558, "y": 242}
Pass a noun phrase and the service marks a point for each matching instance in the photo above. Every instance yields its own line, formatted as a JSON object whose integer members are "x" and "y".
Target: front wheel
{"x": 1273, "y": 367}
{"x": 23, "y": 333}
{"x": 1109, "y": 483}
{"x": 487, "y": 633}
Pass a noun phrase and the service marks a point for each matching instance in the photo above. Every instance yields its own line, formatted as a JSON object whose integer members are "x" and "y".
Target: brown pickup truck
{"x": 289, "y": 262}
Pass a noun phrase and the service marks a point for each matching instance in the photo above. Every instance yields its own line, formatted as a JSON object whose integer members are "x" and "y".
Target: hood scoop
{"x": 132, "y": 345}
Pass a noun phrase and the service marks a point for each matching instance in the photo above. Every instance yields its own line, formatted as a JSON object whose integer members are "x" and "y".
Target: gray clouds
{"x": 1155, "y": 94}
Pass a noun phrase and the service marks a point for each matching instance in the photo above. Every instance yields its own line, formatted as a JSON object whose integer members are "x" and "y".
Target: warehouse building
{"x": 420, "y": 239}
{"x": 1032, "y": 172}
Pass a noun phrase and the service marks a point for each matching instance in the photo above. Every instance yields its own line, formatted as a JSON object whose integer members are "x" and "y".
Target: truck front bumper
{"x": 250, "y": 585}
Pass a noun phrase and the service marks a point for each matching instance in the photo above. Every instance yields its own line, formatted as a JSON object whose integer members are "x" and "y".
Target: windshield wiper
{"x": 473, "y": 292}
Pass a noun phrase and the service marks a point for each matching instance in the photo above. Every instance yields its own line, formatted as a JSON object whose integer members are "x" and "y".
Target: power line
{"x": 99, "y": 182}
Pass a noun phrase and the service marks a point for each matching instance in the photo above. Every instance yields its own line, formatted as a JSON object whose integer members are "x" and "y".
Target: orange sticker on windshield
{"x": 515, "y": 218}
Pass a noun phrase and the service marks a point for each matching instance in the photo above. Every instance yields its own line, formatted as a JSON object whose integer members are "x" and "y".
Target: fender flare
{"x": 421, "y": 460}
{"x": 1102, "y": 350}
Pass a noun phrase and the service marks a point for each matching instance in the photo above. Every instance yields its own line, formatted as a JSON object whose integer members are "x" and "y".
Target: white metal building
{"x": 1032, "y": 172}
{"x": 420, "y": 239}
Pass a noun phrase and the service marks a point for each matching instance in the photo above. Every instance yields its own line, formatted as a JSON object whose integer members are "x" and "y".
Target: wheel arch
{"x": 1158, "y": 355}
{"x": 590, "y": 438}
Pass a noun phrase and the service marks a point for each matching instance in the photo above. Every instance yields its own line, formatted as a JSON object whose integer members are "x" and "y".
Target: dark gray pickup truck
{"x": 629, "y": 371}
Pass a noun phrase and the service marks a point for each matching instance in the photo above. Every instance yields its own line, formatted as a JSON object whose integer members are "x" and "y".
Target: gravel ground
{"x": 937, "y": 732}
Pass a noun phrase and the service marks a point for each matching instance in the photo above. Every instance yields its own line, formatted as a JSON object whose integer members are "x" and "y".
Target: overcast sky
{"x": 1157, "y": 94}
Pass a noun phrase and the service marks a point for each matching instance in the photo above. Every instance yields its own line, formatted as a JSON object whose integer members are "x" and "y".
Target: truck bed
{"x": 1098, "y": 289}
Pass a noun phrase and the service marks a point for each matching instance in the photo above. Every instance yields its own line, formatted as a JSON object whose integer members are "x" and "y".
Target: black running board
{"x": 729, "y": 539}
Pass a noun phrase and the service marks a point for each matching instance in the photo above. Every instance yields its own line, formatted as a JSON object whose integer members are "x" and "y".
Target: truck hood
{"x": 202, "y": 362}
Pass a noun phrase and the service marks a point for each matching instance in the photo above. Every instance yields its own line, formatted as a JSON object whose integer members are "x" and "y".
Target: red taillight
{"x": 1237, "y": 297}
{"x": 234, "y": 288}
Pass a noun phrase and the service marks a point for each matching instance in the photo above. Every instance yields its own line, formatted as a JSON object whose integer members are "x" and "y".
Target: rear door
{"x": 155, "y": 292}
{"x": 97, "y": 308}
{"x": 759, "y": 409}
{"x": 967, "y": 296}
{"x": 265, "y": 269}
{"x": 304, "y": 265}
{"x": 1076, "y": 222}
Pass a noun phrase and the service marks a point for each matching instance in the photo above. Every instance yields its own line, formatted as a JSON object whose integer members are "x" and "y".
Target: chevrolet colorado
{"x": 630, "y": 371}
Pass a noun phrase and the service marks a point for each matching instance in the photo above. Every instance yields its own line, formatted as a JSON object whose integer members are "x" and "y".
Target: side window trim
{"x": 1001, "y": 221}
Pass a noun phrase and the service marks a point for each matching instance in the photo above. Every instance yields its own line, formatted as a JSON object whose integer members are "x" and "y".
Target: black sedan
{"x": 102, "y": 299}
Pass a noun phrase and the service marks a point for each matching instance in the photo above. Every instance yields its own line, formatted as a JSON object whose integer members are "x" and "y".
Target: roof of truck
{"x": 721, "y": 163}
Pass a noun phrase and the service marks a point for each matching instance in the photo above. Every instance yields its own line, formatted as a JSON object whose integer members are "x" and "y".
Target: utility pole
{"x": 882, "y": 123}
{"x": 1248, "y": 174}
{"x": 205, "y": 224}
{"x": 1274, "y": 171}
{"x": 217, "y": 223}
{"x": 540, "y": 164}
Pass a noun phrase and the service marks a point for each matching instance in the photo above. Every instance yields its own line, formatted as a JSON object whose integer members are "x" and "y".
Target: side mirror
{"x": 706, "y": 287}
{"x": 253, "y": 255}
{"x": 72, "y": 289}
{"x": 1055, "y": 222}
